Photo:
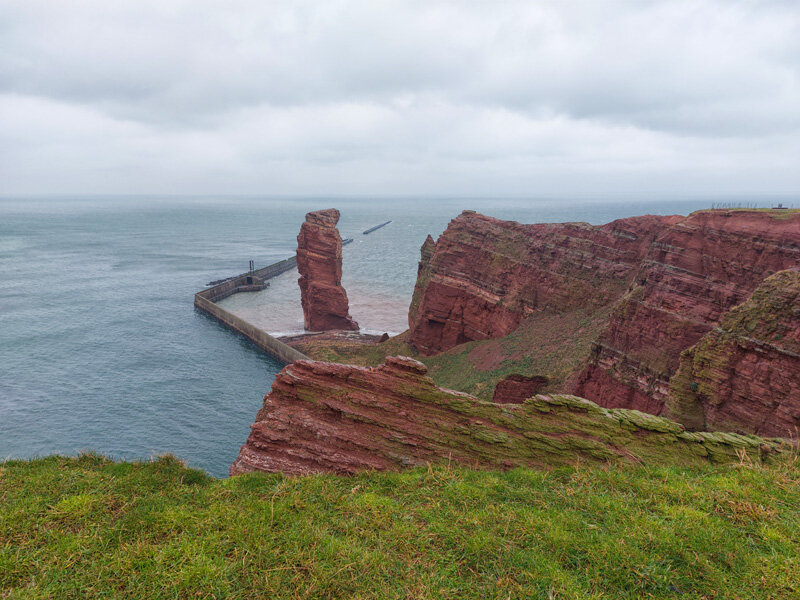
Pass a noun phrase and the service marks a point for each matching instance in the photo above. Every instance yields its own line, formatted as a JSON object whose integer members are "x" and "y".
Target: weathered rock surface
{"x": 319, "y": 261}
{"x": 669, "y": 279}
{"x": 698, "y": 269}
{"x": 515, "y": 389}
{"x": 328, "y": 417}
{"x": 745, "y": 374}
{"x": 484, "y": 276}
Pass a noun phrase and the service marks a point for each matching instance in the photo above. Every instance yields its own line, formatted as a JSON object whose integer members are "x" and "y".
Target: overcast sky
{"x": 589, "y": 97}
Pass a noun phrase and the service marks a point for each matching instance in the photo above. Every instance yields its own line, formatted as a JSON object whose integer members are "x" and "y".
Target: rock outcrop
{"x": 328, "y": 417}
{"x": 698, "y": 269}
{"x": 483, "y": 276}
{"x": 515, "y": 389}
{"x": 319, "y": 261}
{"x": 745, "y": 374}
{"x": 669, "y": 280}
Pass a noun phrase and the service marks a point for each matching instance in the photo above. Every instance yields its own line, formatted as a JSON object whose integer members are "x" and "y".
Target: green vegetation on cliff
{"x": 766, "y": 322}
{"x": 90, "y": 527}
{"x": 771, "y": 314}
{"x": 549, "y": 344}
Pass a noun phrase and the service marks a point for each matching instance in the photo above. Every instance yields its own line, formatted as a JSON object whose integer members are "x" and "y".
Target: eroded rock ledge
{"x": 329, "y": 417}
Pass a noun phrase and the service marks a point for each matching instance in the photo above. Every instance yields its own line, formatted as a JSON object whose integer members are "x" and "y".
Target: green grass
{"x": 554, "y": 345}
{"x": 89, "y": 527}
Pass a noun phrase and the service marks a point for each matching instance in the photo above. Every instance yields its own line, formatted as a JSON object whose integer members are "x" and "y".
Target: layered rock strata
{"x": 669, "y": 279}
{"x": 327, "y": 417}
{"x": 745, "y": 374}
{"x": 483, "y": 276}
{"x": 698, "y": 269}
{"x": 319, "y": 261}
{"x": 515, "y": 389}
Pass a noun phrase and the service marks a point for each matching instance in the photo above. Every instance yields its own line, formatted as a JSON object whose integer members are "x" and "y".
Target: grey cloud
{"x": 148, "y": 94}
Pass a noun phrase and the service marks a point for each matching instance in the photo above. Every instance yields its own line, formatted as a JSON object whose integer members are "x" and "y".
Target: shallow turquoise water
{"x": 102, "y": 349}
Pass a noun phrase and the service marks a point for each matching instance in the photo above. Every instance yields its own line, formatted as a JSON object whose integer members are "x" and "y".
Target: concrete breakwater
{"x": 256, "y": 280}
{"x": 371, "y": 229}
{"x": 225, "y": 287}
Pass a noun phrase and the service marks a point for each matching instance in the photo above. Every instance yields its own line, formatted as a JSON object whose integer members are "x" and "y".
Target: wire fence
{"x": 751, "y": 205}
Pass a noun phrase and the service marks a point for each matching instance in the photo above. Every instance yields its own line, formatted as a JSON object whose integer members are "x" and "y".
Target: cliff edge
{"x": 329, "y": 417}
{"x": 701, "y": 267}
{"x": 646, "y": 288}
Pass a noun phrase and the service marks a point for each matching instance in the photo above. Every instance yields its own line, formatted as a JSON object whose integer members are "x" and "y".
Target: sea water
{"x": 102, "y": 349}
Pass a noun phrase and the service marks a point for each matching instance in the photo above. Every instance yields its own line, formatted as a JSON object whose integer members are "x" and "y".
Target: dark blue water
{"x": 101, "y": 347}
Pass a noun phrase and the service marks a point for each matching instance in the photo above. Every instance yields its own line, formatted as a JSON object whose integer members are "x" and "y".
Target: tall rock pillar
{"x": 319, "y": 261}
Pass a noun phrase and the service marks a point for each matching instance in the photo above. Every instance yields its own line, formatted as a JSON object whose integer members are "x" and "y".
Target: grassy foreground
{"x": 90, "y": 527}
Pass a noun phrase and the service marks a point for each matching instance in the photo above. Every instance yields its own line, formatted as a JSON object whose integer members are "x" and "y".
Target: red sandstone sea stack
{"x": 319, "y": 261}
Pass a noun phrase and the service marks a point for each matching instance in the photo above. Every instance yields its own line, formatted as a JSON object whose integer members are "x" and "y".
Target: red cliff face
{"x": 515, "y": 389}
{"x": 484, "y": 275}
{"x": 745, "y": 374}
{"x": 327, "y": 417}
{"x": 319, "y": 261}
{"x": 701, "y": 267}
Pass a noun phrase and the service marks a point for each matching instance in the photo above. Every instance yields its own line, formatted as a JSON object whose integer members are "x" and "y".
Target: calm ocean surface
{"x": 101, "y": 347}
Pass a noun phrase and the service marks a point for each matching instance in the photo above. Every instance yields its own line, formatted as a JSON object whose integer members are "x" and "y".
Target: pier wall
{"x": 234, "y": 286}
{"x": 276, "y": 268}
{"x": 205, "y": 301}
